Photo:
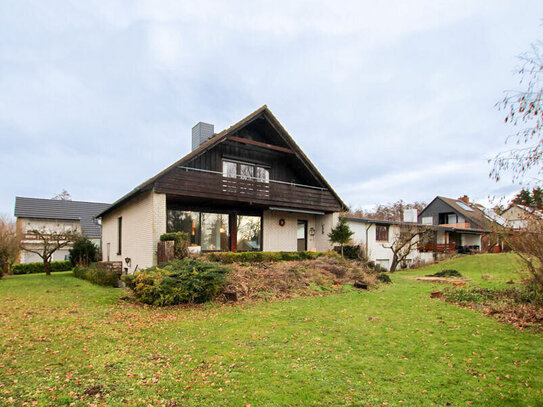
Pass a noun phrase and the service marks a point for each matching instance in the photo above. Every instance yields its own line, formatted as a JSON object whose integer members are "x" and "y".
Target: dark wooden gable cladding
{"x": 447, "y": 205}
{"x": 284, "y": 166}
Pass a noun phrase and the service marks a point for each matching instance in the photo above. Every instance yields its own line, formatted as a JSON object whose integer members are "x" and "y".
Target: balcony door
{"x": 302, "y": 235}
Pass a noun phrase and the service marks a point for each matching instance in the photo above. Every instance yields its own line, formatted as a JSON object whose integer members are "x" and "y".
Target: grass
{"x": 395, "y": 345}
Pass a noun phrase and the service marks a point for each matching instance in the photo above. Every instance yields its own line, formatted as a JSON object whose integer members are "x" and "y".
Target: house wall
{"x": 470, "y": 239}
{"x": 323, "y": 226}
{"x": 516, "y": 217}
{"x": 26, "y": 225}
{"x": 143, "y": 221}
{"x": 284, "y": 238}
{"x": 378, "y": 251}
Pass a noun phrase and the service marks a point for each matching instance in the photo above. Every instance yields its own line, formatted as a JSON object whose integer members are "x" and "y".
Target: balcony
{"x": 464, "y": 225}
{"x": 437, "y": 248}
{"x": 193, "y": 182}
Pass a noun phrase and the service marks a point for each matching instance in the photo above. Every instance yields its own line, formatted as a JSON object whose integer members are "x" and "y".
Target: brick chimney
{"x": 464, "y": 199}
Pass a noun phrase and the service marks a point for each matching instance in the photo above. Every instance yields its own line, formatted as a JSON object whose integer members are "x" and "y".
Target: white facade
{"x": 380, "y": 252}
{"x": 27, "y": 225}
{"x": 278, "y": 238}
{"x": 143, "y": 221}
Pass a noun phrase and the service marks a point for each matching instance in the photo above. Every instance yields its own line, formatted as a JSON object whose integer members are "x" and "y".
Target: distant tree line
{"x": 391, "y": 212}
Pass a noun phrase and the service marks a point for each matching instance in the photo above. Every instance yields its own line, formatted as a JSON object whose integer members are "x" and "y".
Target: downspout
{"x": 367, "y": 229}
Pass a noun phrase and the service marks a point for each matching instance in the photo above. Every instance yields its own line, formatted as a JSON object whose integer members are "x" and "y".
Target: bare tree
{"x": 63, "y": 196}
{"x": 392, "y": 212}
{"x": 407, "y": 241}
{"x": 526, "y": 241}
{"x": 524, "y": 110}
{"x": 9, "y": 243}
{"x": 49, "y": 243}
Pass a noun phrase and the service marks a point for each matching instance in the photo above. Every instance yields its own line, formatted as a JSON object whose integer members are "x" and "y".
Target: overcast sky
{"x": 390, "y": 100}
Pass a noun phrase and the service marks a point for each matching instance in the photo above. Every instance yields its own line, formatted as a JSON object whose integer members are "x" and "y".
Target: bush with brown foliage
{"x": 276, "y": 280}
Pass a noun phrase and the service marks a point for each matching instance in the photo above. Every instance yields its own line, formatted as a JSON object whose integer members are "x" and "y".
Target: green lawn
{"x": 60, "y": 335}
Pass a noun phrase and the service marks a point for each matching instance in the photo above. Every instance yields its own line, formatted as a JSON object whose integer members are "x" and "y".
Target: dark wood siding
{"x": 284, "y": 167}
{"x": 186, "y": 183}
{"x": 438, "y": 207}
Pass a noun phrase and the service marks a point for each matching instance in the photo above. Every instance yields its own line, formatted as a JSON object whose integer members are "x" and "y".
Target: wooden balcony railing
{"x": 464, "y": 225}
{"x": 29, "y": 236}
{"x": 437, "y": 247}
{"x": 183, "y": 181}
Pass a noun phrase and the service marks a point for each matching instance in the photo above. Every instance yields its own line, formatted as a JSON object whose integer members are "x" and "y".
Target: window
{"x": 247, "y": 171}
{"x": 262, "y": 174}
{"x": 119, "y": 234}
{"x": 229, "y": 169}
{"x": 208, "y": 230}
{"x": 215, "y": 232}
{"x": 381, "y": 233}
{"x": 184, "y": 221}
{"x": 249, "y": 228}
{"x": 427, "y": 220}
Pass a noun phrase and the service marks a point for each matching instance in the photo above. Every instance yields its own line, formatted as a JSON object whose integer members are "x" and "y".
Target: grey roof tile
{"x": 85, "y": 212}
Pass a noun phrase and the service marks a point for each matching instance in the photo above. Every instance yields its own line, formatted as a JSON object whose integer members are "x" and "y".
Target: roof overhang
{"x": 275, "y": 208}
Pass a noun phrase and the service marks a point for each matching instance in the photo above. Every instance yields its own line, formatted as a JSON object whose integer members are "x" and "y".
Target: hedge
{"x": 257, "y": 257}
{"x": 97, "y": 276}
{"x": 33, "y": 268}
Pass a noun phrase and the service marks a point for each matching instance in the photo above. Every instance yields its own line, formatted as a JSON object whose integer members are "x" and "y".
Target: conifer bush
{"x": 181, "y": 281}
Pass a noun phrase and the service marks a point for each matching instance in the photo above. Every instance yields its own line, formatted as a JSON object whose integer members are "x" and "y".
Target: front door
{"x": 302, "y": 235}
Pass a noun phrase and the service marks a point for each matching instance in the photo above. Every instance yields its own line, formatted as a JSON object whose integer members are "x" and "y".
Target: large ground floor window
{"x": 249, "y": 233}
{"x": 217, "y": 231}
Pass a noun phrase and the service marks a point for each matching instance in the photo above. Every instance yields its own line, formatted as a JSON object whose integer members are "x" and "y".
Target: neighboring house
{"x": 462, "y": 223}
{"x": 377, "y": 237}
{"x": 248, "y": 188}
{"x": 518, "y": 216}
{"x": 55, "y": 216}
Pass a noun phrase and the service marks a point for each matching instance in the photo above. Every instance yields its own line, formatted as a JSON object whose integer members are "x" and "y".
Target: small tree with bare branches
{"x": 526, "y": 242}
{"x": 49, "y": 243}
{"x": 406, "y": 242}
{"x": 9, "y": 244}
{"x": 63, "y": 196}
{"x": 524, "y": 110}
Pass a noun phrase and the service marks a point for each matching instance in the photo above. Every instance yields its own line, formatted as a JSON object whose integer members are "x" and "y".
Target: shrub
{"x": 259, "y": 257}
{"x": 446, "y": 273}
{"x": 181, "y": 243}
{"x": 524, "y": 294}
{"x": 83, "y": 252}
{"x": 384, "y": 278}
{"x": 32, "y": 268}
{"x": 351, "y": 252}
{"x": 97, "y": 275}
{"x": 380, "y": 269}
{"x": 181, "y": 281}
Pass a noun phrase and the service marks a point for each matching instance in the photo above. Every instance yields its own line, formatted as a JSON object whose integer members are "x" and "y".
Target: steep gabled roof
{"x": 85, "y": 212}
{"x": 474, "y": 213}
{"x": 221, "y": 137}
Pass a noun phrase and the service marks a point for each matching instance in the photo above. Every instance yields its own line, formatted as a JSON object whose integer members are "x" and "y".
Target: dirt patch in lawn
{"x": 520, "y": 306}
{"x": 442, "y": 280}
{"x": 289, "y": 279}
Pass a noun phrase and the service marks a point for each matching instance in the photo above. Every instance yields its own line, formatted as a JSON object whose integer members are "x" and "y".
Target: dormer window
{"x": 246, "y": 171}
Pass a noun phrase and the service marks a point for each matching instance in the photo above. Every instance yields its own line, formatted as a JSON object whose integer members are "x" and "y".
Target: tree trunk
{"x": 394, "y": 264}
{"x": 342, "y": 251}
{"x": 46, "y": 268}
